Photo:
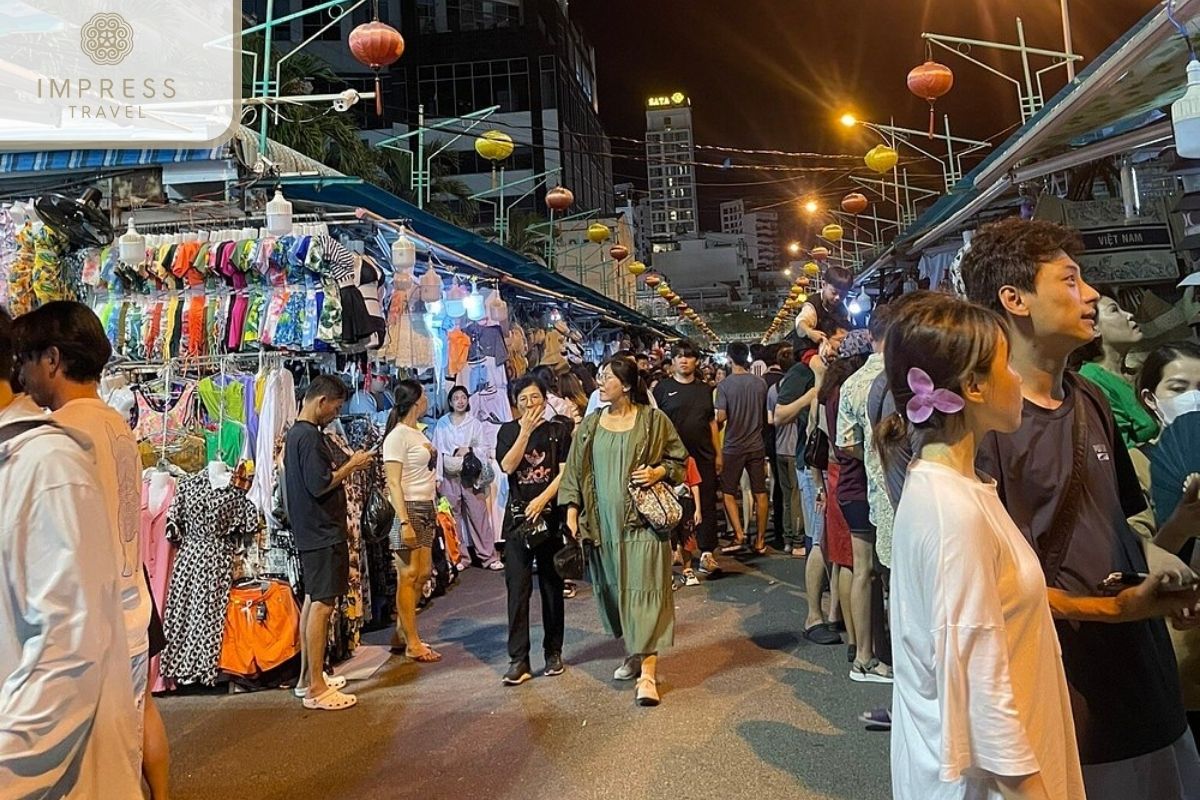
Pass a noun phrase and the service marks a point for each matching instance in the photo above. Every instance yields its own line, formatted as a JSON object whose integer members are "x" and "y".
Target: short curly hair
{"x": 1009, "y": 253}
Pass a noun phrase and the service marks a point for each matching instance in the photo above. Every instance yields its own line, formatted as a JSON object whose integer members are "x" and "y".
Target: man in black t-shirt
{"x": 316, "y": 509}
{"x": 1129, "y": 718}
{"x": 688, "y": 402}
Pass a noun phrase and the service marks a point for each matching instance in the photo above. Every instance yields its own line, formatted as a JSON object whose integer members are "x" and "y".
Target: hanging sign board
{"x": 1117, "y": 249}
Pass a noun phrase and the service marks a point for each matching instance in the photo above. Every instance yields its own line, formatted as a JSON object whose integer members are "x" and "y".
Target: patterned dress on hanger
{"x": 349, "y": 616}
{"x": 209, "y": 526}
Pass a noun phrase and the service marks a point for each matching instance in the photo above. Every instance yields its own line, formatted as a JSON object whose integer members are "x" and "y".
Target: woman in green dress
{"x": 629, "y": 562}
{"x": 1104, "y": 365}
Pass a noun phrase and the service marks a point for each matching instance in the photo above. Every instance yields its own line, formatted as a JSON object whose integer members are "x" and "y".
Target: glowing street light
{"x": 788, "y": 272}
{"x": 849, "y": 120}
{"x": 812, "y": 207}
{"x": 794, "y": 248}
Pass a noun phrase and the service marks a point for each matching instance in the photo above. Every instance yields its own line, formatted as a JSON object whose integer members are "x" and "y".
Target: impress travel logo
{"x": 118, "y": 73}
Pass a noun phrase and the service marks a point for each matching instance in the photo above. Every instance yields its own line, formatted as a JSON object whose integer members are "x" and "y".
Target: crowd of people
{"x": 971, "y": 481}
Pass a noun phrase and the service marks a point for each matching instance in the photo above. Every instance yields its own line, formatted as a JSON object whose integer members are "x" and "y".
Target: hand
{"x": 1175, "y": 573}
{"x": 1148, "y": 601}
{"x": 720, "y": 464}
{"x": 408, "y": 535}
{"x": 818, "y": 336}
{"x": 697, "y": 517}
{"x": 648, "y": 476}
{"x": 531, "y": 419}
{"x": 1186, "y": 620}
{"x": 820, "y": 502}
{"x": 535, "y": 507}
{"x": 360, "y": 460}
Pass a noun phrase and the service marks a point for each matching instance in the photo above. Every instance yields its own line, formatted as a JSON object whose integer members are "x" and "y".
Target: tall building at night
{"x": 462, "y": 56}
{"x": 671, "y": 171}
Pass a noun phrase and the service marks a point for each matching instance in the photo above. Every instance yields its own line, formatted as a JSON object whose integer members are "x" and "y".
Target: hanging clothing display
{"x": 206, "y": 522}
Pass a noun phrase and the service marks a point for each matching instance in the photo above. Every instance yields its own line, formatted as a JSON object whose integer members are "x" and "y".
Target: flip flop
{"x": 332, "y": 681}
{"x": 822, "y": 634}
{"x": 428, "y": 656}
{"x": 332, "y": 700}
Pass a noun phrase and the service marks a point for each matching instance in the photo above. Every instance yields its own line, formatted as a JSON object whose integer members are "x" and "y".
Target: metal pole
{"x": 896, "y": 179}
{"x": 419, "y": 162}
{"x": 952, "y": 177}
{"x": 1029, "y": 96}
{"x": 502, "y": 213}
{"x": 264, "y": 85}
{"x": 1066, "y": 23}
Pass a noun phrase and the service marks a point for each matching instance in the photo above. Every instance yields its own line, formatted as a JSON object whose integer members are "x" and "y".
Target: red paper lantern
{"x": 855, "y": 203}
{"x": 559, "y": 198}
{"x": 929, "y": 81}
{"x": 376, "y": 45}
{"x": 652, "y": 281}
{"x": 619, "y": 252}
{"x": 819, "y": 253}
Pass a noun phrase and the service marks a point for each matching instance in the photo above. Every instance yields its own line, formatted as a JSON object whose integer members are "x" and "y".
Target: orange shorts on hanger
{"x": 262, "y": 629}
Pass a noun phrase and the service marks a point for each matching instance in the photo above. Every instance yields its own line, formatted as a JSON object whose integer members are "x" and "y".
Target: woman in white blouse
{"x": 409, "y": 460}
{"x": 981, "y": 704}
{"x": 455, "y": 435}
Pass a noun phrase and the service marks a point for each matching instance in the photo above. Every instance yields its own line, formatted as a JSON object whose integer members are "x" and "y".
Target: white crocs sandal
{"x": 332, "y": 700}
{"x": 332, "y": 681}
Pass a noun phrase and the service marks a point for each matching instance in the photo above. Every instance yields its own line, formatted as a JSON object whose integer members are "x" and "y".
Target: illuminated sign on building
{"x": 667, "y": 101}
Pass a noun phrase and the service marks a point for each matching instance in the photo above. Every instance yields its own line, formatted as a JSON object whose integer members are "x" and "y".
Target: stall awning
{"x": 1112, "y": 106}
{"x": 469, "y": 249}
{"x": 69, "y": 160}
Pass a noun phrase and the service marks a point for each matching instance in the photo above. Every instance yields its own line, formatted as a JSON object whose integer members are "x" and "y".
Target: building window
{"x": 314, "y": 22}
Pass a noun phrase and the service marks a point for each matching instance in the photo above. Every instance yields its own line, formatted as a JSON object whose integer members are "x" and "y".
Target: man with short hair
{"x": 1067, "y": 480}
{"x": 316, "y": 509}
{"x": 64, "y": 351}
{"x": 822, "y": 316}
{"x": 741, "y": 407}
{"x": 786, "y": 439}
{"x": 689, "y": 404}
{"x": 68, "y": 718}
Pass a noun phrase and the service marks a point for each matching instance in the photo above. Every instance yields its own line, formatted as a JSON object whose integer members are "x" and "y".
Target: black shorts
{"x": 735, "y": 463}
{"x": 858, "y": 518}
{"x": 326, "y": 572}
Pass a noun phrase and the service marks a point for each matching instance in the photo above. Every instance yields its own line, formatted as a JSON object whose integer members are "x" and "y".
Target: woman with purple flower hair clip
{"x": 981, "y": 706}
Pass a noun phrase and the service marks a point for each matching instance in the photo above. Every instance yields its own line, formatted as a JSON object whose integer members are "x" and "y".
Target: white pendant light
{"x": 279, "y": 215}
{"x": 474, "y": 304}
{"x": 404, "y": 252}
{"x": 1185, "y": 114}
{"x": 132, "y": 246}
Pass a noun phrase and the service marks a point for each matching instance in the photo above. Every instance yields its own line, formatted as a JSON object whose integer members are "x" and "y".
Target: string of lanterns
{"x": 685, "y": 311}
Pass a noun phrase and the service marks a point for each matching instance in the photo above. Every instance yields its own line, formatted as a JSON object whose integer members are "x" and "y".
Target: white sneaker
{"x": 630, "y": 668}
{"x": 708, "y": 564}
{"x": 690, "y": 579}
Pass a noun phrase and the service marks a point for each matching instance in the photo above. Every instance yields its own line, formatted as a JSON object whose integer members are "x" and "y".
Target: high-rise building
{"x": 732, "y": 213}
{"x": 671, "y": 171}
{"x": 464, "y": 56}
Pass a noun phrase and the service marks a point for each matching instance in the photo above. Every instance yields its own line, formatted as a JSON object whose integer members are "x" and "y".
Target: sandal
{"x": 876, "y": 718}
{"x": 426, "y": 656}
{"x": 332, "y": 681}
{"x": 332, "y": 700}
{"x": 738, "y": 546}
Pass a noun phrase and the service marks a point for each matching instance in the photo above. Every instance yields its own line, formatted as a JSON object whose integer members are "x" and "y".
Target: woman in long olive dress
{"x": 629, "y": 562}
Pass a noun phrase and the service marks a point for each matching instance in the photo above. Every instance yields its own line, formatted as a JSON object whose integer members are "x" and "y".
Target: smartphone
{"x": 1119, "y": 581}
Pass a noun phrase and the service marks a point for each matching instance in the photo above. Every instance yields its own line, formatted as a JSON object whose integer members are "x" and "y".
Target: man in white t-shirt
{"x": 63, "y": 350}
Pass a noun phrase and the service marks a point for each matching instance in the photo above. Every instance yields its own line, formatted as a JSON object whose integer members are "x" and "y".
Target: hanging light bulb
{"x": 474, "y": 304}
{"x": 279, "y": 215}
{"x": 404, "y": 252}
{"x": 1185, "y": 115}
{"x": 133, "y": 246}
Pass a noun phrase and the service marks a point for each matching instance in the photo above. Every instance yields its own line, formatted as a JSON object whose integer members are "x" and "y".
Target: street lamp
{"x": 812, "y": 207}
{"x": 794, "y": 248}
{"x": 849, "y": 120}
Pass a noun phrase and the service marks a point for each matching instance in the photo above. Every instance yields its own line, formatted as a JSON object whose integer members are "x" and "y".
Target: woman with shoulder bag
{"x": 408, "y": 460}
{"x": 532, "y": 452}
{"x": 626, "y": 448}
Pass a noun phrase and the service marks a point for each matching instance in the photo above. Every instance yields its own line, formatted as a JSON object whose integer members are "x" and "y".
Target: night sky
{"x": 776, "y": 74}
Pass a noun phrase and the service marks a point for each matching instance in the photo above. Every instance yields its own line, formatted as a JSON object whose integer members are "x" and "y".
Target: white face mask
{"x": 1171, "y": 408}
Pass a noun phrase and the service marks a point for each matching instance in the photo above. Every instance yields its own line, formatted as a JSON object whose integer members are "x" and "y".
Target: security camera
{"x": 345, "y": 100}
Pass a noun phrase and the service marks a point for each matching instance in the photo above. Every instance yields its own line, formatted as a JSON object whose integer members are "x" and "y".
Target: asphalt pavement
{"x": 749, "y": 710}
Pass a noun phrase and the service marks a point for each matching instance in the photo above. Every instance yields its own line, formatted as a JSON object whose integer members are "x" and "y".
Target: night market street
{"x": 749, "y": 709}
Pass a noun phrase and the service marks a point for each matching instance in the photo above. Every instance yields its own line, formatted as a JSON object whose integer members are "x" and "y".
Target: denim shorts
{"x": 814, "y": 520}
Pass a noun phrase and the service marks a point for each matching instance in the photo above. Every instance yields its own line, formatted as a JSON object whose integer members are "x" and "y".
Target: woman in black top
{"x": 532, "y": 451}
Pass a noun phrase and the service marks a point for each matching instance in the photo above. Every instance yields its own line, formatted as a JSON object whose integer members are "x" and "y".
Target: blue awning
{"x": 461, "y": 247}
{"x": 13, "y": 163}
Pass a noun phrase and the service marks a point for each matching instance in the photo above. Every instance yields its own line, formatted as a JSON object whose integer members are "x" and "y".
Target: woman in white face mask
{"x": 1116, "y": 334}
{"x": 1169, "y": 383}
{"x": 1169, "y": 386}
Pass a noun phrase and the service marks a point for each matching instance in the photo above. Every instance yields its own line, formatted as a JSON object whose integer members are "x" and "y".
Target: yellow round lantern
{"x": 494, "y": 146}
{"x": 598, "y": 232}
{"x": 812, "y": 268}
{"x": 803, "y": 298}
{"x": 663, "y": 290}
{"x": 881, "y": 158}
{"x": 635, "y": 268}
{"x": 832, "y": 232}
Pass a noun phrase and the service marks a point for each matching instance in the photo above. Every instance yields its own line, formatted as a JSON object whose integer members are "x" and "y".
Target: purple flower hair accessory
{"x": 926, "y": 399}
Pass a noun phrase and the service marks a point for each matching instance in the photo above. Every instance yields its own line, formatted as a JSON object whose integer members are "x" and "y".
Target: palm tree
{"x": 522, "y": 238}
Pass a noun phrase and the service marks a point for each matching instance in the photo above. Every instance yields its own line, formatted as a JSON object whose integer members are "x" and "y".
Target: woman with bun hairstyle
{"x": 981, "y": 706}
